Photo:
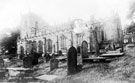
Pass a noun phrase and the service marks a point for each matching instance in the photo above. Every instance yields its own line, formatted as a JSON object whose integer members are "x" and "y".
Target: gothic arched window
{"x": 63, "y": 42}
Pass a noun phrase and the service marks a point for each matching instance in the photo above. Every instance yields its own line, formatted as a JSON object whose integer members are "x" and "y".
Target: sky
{"x": 60, "y": 11}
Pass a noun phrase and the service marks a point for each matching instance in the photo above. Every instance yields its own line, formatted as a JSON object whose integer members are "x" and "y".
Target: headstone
{"x": 79, "y": 49}
{"x": 53, "y": 64}
{"x": 79, "y": 59}
{"x": 21, "y": 52}
{"x": 27, "y": 62}
{"x": 59, "y": 53}
{"x": 35, "y": 57}
{"x": 72, "y": 61}
{"x": 84, "y": 49}
{"x": 47, "y": 57}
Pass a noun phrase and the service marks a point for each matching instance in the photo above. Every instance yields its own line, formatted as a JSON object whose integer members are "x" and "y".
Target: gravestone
{"x": 72, "y": 61}
{"x": 59, "y": 53}
{"x": 79, "y": 58}
{"x": 79, "y": 49}
{"x": 84, "y": 49}
{"x": 35, "y": 57}
{"x": 47, "y": 57}
{"x": 27, "y": 62}
{"x": 53, "y": 64}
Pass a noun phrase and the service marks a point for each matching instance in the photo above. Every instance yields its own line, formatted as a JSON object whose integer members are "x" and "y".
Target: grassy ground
{"x": 120, "y": 70}
{"x": 92, "y": 73}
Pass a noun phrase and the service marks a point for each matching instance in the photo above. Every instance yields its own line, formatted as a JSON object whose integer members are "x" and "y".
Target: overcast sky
{"x": 60, "y": 11}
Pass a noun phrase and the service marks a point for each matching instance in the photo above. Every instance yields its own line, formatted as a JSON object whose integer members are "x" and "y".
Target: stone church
{"x": 38, "y": 36}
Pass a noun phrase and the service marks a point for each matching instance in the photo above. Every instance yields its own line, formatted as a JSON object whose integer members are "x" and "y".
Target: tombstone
{"x": 47, "y": 57}
{"x": 72, "y": 61}
{"x": 60, "y": 53}
{"x": 27, "y": 62}
{"x": 35, "y": 57}
{"x": 21, "y": 52}
{"x": 79, "y": 49}
{"x": 79, "y": 59}
{"x": 53, "y": 64}
{"x": 84, "y": 49}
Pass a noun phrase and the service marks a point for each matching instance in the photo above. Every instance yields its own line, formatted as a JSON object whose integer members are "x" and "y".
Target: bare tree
{"x": 9, "y": 43}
